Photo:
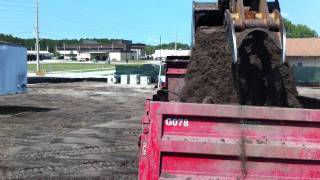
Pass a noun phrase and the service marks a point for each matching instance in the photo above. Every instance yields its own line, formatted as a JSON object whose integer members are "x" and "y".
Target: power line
{"x": 160, "y": 64}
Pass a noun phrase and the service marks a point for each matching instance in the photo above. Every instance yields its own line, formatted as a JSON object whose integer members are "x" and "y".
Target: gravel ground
{"x": 73, "y": 130}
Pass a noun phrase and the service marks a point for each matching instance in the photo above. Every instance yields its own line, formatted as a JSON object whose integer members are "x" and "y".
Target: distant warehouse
{"x": 91, "y": 50}
{"x": 303, "y": 56}
{"x": 303, "y": 52}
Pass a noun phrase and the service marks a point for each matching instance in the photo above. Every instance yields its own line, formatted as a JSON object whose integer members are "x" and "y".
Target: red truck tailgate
{"x": 197, "y": 141}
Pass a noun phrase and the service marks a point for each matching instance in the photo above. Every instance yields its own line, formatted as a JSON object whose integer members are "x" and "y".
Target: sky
{"x": 142, "y": 21}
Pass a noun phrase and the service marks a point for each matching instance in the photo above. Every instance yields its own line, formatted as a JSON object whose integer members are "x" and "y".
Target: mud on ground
{"x": 82, "y": 130}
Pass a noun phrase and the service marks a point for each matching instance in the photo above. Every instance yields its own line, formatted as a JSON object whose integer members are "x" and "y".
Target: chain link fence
{"x": 307, "y": 76}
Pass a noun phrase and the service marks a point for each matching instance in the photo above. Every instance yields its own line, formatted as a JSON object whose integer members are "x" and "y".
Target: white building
{"x": 99, "y": 55}
{"x": 303, "y": 52}
{"x": 139, "y": 50}
{"x": 123, "y": 55}
{"x": 90, "y": 50}
{"x": 164, "y": 53}
{"x": 32, "y": 55}
{"x": 92, "y": 55}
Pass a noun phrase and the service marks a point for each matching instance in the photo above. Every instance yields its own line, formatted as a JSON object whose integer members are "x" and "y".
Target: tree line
{"x": 293, "y": 31}
{"x": 52, "y": 44}
{"x": 299, "y": 30}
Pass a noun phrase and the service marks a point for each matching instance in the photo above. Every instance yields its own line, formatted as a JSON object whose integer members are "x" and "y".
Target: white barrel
{"x": 145, "y": 80}
{"x": 111, "y": 79}
{"x": 116, "y": 79}
{"x": 124, "y": 79}
{"x": 163, "y": 79}
{"x": 134, "y": 79}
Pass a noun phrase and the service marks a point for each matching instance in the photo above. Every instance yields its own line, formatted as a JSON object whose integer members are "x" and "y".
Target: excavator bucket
{"x": 241, "y": 18}
{"x": 250, "y": 17}
{"x": 206, "y": 14}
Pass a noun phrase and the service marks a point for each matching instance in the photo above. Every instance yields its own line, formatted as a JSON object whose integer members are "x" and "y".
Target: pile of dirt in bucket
{"x": 262, "y": 79}
{"x": 258, "y": 78}
{"x": 209, "y": 77}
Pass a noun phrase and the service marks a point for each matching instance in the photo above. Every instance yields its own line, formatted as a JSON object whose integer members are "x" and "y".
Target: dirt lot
{"x": 62, "y": 131}
{"x": 74, "y": 130}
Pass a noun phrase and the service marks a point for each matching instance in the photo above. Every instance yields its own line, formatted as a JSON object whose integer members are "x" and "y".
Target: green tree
{"x": 56, "y": 54}
{"x": 149, "y": 49}
{"x": 299, "y": 30}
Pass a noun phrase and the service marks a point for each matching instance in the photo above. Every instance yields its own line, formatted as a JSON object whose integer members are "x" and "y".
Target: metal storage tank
{"x": 13, "y": 68}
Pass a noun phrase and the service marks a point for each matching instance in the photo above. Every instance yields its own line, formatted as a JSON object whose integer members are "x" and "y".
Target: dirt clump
{"x": 290, "y": 87}
{"x": 209, "y": 78}
{"x": 262, "y": 80}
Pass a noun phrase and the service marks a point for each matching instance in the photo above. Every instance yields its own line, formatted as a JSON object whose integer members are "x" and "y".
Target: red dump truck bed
{"x": 197, "y": 141}
{"x": 203, "y": 141}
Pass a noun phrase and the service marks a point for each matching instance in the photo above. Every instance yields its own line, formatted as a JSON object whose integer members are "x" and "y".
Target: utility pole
{"x": 37, "y": 36}
{"x": 64, "y": 51}
{"x": 160, "y": 48}
{"x": 175, "y": 44}
{"x": 160, "y": 64}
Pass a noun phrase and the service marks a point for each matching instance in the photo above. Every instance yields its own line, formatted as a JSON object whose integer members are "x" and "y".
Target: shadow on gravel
{"x": 10, "y": 110}
{"x": 37, "y": 80}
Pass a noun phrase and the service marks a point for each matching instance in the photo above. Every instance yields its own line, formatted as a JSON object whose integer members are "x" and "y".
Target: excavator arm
{"x": 242, "y": 17}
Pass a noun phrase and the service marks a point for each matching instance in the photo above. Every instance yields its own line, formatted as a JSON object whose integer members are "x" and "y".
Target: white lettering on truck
{"x": 177, "y": 122}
